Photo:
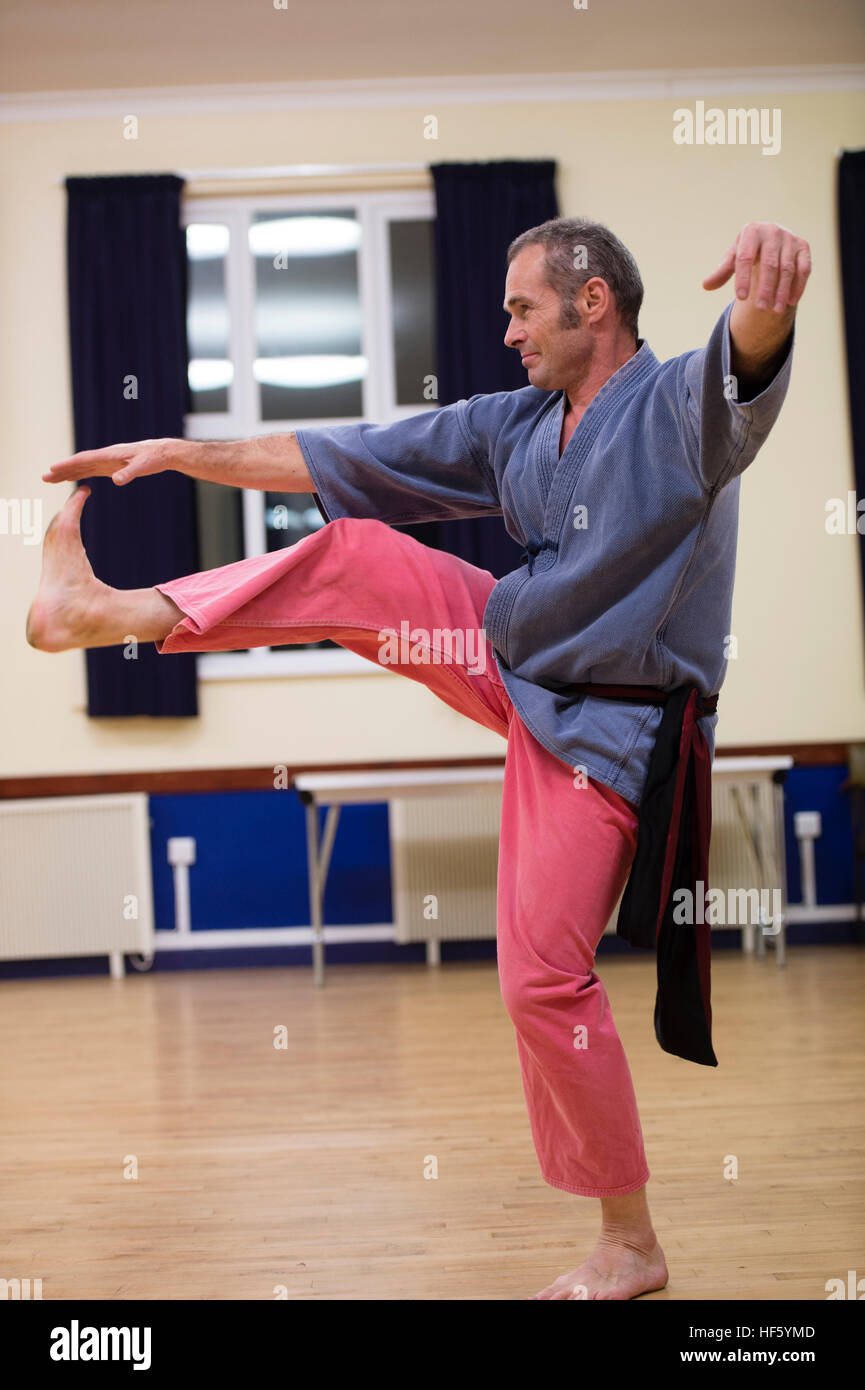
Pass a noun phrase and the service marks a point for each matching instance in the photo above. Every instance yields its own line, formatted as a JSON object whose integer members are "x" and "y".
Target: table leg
{"x": 318, "y": 862}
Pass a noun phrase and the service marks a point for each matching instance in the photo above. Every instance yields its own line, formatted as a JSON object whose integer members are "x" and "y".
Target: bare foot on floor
{"x": 68, "y": 605}
{"x": 615, "y": 1270}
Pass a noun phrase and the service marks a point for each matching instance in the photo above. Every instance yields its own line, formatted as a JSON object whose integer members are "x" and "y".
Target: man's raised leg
{"x": 372, "y": 589}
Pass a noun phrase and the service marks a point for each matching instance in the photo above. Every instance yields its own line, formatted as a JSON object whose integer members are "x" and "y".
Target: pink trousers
{"x": 566, "y": 842}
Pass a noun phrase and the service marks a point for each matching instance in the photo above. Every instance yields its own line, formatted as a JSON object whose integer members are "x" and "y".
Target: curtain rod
{"x": 278, "y": 171}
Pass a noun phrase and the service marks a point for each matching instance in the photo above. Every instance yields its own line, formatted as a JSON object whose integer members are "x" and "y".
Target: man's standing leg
{"x": 566, "y": 847}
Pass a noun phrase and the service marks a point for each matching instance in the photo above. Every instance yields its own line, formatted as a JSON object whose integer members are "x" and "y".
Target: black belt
{"x": 675, "y": 825}
{"x": 643, "y": 695}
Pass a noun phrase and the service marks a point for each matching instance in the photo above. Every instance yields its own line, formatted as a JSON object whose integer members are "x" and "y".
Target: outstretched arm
{"x": 771, "y": 266}
{"x": 426, "y": 467}
{"x": 267, "y": 463}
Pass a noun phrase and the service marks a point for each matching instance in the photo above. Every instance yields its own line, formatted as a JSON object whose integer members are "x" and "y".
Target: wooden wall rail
{"x": 224, "y": 779}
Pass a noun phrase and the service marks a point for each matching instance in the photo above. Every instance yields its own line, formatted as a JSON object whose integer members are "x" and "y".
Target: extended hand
{"x": 122, "y": 462}
{"x": 769, "y": 258}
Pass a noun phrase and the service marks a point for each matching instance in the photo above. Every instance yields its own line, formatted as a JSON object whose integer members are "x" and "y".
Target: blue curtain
{"x": 480, "y": 208}
{"x": 851, "y": 222}
{"x": 127, "y": 286}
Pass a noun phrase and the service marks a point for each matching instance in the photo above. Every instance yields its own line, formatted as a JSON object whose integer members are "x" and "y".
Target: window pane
{"x": 412, "y": 273}
{"x": 289, "y": 516}
{"x": 220, "y": 524}
{"x": 210, "y": 370}
{"x": 307, "y": 315}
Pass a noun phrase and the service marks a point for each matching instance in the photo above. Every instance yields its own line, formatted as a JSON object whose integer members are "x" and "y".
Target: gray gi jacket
{"x": 631, "y": 535}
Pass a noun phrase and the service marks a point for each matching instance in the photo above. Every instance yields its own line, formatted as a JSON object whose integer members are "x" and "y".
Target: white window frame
{"x": 375, "y": 211}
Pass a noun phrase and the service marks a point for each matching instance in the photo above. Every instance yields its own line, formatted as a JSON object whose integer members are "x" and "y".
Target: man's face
{"x": 552, "y": 353}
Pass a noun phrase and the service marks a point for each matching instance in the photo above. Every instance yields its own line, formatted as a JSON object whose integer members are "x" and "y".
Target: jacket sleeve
{"x": 429, "y": 467}
{"x": 724, "y": 434}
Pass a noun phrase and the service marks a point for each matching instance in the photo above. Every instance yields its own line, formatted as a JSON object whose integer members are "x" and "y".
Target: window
{"x": 304, "y": 310}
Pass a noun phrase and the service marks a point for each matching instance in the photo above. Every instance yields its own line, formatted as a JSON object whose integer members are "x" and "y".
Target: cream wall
{"x": 797, "y": 614}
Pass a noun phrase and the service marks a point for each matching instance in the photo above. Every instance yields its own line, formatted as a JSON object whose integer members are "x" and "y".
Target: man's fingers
{"x": 770, "y": 263}
{"x": 98, "y": 456}
{"x": 787, "y": 269}
{"x": 92, "y": 463}
{"x": 746, "y": 254}
{"x": 69, "y": 471}
{"x": 88, "y": 463}
{"x": 803, "y": 270}
{"x": 724, "y": 271}
{"x": 780, "y": 261}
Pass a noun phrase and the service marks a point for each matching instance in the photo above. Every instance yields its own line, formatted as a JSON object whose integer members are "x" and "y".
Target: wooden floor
{"x": 303, "y": 1167}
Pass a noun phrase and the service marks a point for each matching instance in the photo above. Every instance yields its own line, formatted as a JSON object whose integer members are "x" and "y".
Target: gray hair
{"x": 575, "y": 251}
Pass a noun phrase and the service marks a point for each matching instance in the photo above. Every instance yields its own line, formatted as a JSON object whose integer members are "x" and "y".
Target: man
{"x": 620, "y": 476}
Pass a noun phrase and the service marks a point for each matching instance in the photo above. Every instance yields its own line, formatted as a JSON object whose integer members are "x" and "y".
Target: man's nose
{"x": 514, "y": 335}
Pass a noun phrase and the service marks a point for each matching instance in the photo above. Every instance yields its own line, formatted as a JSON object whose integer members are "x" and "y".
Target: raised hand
{"x": 771, "y": 266}
{"x": 780, "y": 260}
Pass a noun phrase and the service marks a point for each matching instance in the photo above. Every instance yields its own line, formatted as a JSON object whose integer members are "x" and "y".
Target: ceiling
{"x": 55, "y": 45}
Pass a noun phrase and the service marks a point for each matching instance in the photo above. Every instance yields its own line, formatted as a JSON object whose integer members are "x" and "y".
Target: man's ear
{"x": 596, "y": 294}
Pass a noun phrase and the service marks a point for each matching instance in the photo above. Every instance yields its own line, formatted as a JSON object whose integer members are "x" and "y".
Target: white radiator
{"x": 444, "y": 852}
{"x": 443, "y": 855}
{"x": 75, "y": 878}
{"x": 734, "y": 856}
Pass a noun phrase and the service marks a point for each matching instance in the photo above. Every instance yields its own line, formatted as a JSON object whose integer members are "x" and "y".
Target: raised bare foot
{"x": 66, "y": 610}
{"x": 616, "y": 1269}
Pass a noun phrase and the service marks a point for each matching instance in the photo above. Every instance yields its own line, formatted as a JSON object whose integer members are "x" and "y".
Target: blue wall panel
{"x": 251, "y": 861}
{"x": 819, "y": 789}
